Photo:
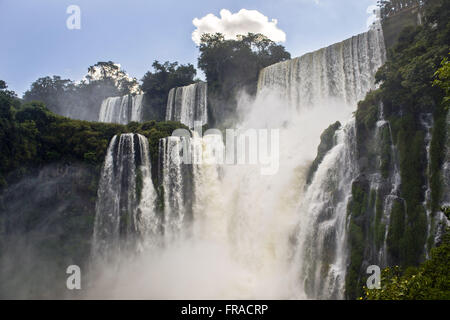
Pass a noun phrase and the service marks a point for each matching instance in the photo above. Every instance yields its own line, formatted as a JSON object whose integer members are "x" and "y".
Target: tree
{"x": 157, "y": 83}
{"x": 430, "y": 281}
{"x": 5, "y": 91}
{"x": 82, "y": 100}
{"x": 51, "y": 91}
{"x": 443, "y": 80}
{"x": 232, "y": 66}
{"x": 391, "y": 7}
{"x": 109, "y": 74}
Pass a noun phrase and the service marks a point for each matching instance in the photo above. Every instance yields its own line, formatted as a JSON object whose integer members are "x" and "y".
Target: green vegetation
{"x": 380, "y": 228}
{"x": 82, "y": 100}
{"x": 413, "y": 83}
{"x": 54, "y": 164}
{"x": 232, "y": 66}
{"x": 443, "y": 80}
{"x": 430, "y": 281}
{"x": 156, "y": 85}
{"x": 385, "y": 152}
{"x": 391, "y": 7}
{"x": 357, "y": 210}
{"x": 366, "y": 117}
{"x": 31, "y": 136}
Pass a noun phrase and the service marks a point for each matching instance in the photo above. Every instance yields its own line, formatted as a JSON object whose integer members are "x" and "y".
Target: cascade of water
{"x": 392, "y": 183}
{"x": 253, "y": 219}
{"x": 343, "y": 71}
{"x": 125, "y": 213}
{"x": 322, "y": 229}
{"x": 209, "y": 216}
{"x": 188, "y": 104}
{"x": 446, "y": 167}
{"x": 174, "y": 175}
{"x": 121, "y": 109}
{"x": 426, "y": 120}
{"x": 136, "y": 107}
{"x": 256, "y": 215}
{"x": 149, "y": 223}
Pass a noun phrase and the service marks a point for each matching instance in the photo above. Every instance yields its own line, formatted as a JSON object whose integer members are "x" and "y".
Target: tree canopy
{"x": 82, "y": 100}
{"x": 391, "y": 7}
{"x": 232, "y": 66}
{"x": 157, "y": 83}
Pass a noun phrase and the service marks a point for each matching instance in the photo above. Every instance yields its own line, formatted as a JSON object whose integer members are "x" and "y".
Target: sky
{"x": 36, "y": 41}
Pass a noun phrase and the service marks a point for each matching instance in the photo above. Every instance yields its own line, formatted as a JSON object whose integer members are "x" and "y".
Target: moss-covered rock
{"x": 327, "y": 142}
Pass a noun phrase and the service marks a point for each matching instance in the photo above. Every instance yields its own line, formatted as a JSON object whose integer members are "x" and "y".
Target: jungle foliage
{"x": 413, "y": 85}
{"x": 157, "y": 83}
{"x": 82, "y": 100}
{"x": 32, "y": 136}
{"x": 232, "y": 67}
{"x": 430, "y": 281}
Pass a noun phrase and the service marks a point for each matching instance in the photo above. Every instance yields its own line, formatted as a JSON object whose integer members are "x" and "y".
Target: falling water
{"x": 188, "y": 104}
{"x": 125, "y": 215}
{"x": 426, "y": 120}
{"x": 392, "y": 184}
{"x": 322, "y": 231}
{"x": 136, "y": 107}
{"x": 121, "y": 109}
{"x": 332, "y": 79}
{"x": 344, "y": 71}
{"x": 246, "y": 235}
{"x": 175, "y": 177}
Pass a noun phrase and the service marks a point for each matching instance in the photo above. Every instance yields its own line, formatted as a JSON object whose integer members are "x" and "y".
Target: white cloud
{"x": 241, "y": 23}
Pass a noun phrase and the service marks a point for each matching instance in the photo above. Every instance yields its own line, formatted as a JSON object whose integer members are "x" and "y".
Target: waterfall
{"x": 230, "y": 232}
{"x": 391, "y": 184}
{"x": 325, "y": 83}
{"x": 175, "y": 176}
{"x": 125, "y": 214}
{"x": 121, "y": 110}
{"x": 136, "y": 107}
{"x": 321, "y": 237}
{"x": 209, "y": 216}
{"x": 188, "y": 104}
{"x": 343, "y": 71}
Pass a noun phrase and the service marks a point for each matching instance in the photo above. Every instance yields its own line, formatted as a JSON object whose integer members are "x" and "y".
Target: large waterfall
{"x": 343, "y": 71}
{"x": 121, "y": 109}
{"x": 321, "y": 237}
{"x": 175, "y": 177}
{"x": 188, "y": 104}
{"x": 230, "y": 232}
{"x": 125, "y": 208}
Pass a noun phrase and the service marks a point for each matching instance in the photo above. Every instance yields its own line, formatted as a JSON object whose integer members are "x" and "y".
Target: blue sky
{"x": 134, "y": 33}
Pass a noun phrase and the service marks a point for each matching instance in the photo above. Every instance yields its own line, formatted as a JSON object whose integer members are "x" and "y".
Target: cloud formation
{"x": 241, "y": 23}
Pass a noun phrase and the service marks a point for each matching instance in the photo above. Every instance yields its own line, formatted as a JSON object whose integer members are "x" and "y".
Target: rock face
{"x": 327, "y": 141}
{"x": 46, "y": 223}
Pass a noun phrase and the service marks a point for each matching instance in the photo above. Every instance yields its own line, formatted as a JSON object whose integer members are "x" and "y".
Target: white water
{"x": 254, "y": 236}
{"x": 188, "y": 104}
{"x": 122, "y": 221}
{"x": 173, "y": 177}
{"x": 426, "y": 120}
{"x": 136, "y": 107}
{"x": 321, "y": 237}
{"x": 344, "y": 71}
{"x": 121, "y": 110}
